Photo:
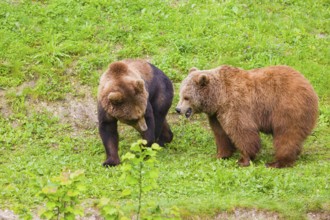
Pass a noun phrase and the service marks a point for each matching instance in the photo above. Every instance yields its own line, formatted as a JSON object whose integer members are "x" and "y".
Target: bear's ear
{"x": 138, "y": 86}
{"x": 115, "y": 97}
{"x": 203, "y": 80}
{"x": 193, "y": 69}
{"x": 118, "y": 68}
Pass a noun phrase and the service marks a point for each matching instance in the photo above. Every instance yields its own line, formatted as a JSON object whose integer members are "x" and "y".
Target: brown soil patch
{"x": 80, "y": 112}
{"x": 77, "y": 109}
{"x": 237, "y": 214}
{"x": 248, "y": 214}
{"x": 4, "y": 108}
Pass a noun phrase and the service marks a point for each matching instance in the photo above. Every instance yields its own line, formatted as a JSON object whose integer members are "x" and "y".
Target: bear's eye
{"x": 185, "y": 98}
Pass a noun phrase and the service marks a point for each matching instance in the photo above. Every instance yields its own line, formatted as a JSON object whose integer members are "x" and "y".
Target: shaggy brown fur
{"x": 275, "y": 100}
{"x": 117, "y": 85}
{"x": 137, "y": 93}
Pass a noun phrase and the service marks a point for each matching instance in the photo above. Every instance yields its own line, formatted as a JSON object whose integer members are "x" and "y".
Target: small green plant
{"x": 62, "y": 196}
{"x": 140, "y": 174}
{"x": 110, "y": 211}
{"x": 140, "y": 170}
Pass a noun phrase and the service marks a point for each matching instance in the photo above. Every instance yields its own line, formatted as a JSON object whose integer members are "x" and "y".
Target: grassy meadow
{"x": 52, "y": 53}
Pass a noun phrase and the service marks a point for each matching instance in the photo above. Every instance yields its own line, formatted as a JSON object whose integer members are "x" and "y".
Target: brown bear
{"x": 136, "y": 93}
{"x": 239, "y": 104}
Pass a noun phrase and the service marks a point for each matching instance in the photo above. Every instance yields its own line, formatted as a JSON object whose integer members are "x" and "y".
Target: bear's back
{"x": 158, "y": 85}
{"x": 282, "y": 82}
{"x": 140, "y": 67}
{"x": 282, "y": 94}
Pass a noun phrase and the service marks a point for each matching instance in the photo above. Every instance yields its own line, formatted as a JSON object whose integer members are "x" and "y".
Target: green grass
{"x": 64, "y": 45}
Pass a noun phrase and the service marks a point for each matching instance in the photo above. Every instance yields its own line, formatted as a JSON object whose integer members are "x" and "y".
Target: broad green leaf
{"x": 69, "y": 216}
{"x": 150, "y": 153}
{"x": 131, "y": 180}
{"x": 111, "y": 211}
{"x": 48, "y": 214}
{"x": 136, "y": 147}
{"x": 153, "y": 174}
{"x": 51, "y": 205}
{"x": 69, "y": 209}
{"x": 156, "y": 147}
{"x": 81, "y": 187}
{"x": 128, "y": 156}
{"x": 142, "y": 142}
{"x": 126, "y": 192}
{"x": 147, "y": 188}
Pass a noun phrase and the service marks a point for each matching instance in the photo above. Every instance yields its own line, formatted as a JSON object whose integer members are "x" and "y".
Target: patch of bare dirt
{"x": 254, "y": 214}
{"x": 90, "y": 214}
{"x": 4, "y": 108}
{"x": 318, "y": 216}
{"x": 247, "y": 214}
{"x": 237, "y": 214}
{"x": 7, "y": 215}
{"x": 78, "y": 109}
{"x": 321, "y": 35}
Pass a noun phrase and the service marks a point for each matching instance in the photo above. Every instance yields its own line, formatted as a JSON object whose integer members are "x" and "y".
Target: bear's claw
{"x": 111, "y": 163}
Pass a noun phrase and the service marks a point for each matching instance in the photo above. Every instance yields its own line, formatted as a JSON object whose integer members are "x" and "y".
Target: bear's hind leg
{"x": 248, "y": 143}
{"x": 166, "y": 135}
{"x": 163, "y": 134}
{"x": 149, "y": 134}
{"x": 288, "y": 146}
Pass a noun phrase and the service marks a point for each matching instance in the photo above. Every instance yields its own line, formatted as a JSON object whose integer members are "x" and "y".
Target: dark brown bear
{"x": 136, "y": 93}
{"x": 275, "y": 100}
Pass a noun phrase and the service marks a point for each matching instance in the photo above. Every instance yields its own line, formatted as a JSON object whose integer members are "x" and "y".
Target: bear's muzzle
{"x": 188, "y": 113}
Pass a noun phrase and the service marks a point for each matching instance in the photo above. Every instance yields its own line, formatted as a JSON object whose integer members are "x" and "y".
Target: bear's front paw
{"x": 111, "y": 162}
{"x": 244, "y": 162}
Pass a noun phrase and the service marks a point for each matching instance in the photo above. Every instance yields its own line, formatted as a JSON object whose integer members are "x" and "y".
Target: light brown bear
{"x": 136, "y": 93}
{"x": 276, "y": 100}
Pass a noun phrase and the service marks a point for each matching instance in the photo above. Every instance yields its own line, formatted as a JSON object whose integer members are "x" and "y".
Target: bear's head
{"x": 123, "y": 95}
{"x": 194, "y": 93}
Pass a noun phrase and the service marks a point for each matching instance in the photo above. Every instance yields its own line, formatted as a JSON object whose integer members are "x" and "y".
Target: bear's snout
{"x": 187, "y": 113}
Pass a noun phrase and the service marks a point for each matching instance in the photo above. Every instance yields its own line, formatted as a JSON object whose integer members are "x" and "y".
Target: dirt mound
{"x": 80, "y": 112}
{"x": 248, "y": 214}
{"x": 77, "y": 109}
